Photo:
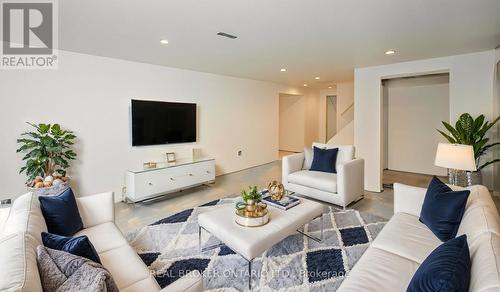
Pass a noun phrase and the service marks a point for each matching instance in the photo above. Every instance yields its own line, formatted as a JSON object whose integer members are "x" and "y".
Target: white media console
{"x": 166, "y": 178}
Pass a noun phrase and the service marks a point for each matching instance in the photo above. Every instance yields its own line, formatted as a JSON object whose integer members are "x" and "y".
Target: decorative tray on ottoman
{"x": 258, "y": 217}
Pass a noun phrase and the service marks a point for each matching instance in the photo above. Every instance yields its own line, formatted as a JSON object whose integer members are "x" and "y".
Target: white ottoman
{"x": 251, "y": 242}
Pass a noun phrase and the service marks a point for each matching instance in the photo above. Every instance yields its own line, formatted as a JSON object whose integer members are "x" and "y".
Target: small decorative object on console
{"x": 149, "y": 165}
{"x": 276, "y": 190}
{"x": 170, "y": 157}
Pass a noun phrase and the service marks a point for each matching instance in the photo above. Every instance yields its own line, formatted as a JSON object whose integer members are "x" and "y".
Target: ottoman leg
{"x": 204, "y": 249}
{"x": 250, "y": 275}
{"x": 312, "y": 236}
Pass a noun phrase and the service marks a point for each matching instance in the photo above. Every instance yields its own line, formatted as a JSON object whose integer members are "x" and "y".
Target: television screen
{"x": 156, "y": 122}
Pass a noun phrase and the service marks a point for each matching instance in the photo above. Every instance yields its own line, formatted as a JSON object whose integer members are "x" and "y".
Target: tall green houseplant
{"x": 47, "y": 150}
{"x": 470, "y": 131}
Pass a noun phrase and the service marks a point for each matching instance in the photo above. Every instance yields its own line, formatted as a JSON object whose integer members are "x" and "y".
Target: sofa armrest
{"x": 408, "y": 199}
{"x": 351, "y": 180}
{"x": 191, "y": 282}
{"x": 96, "y": 209}
{"x": 291, "y": 163}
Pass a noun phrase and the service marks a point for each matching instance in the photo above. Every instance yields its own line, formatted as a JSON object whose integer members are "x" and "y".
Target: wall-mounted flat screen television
{"x": 156, "y": 122}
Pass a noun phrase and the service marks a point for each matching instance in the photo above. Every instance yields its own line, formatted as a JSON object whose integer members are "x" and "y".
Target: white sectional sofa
{"x": 404, "y": 243}
{"x": 341, "y": 188}
{"x": 21, "y": 235}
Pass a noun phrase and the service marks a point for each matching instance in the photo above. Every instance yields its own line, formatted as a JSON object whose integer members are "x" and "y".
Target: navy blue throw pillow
{"x": 61, "y": 213}
{"x": 447, "y": 268}
{"x": 324, "y": 160}
{"x": 80, "y": 245}
{"x": 443, "y": 209}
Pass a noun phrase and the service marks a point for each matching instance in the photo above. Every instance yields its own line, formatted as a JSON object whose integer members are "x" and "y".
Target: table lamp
{"x": 456, "y": 158}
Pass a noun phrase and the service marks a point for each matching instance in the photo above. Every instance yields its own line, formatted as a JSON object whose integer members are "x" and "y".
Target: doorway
{"x": 331, "y": 116}
{"x": 413, "y": 108}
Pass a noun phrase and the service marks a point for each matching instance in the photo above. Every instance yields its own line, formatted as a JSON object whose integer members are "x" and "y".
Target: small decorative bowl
{"x": 258, "y": 218}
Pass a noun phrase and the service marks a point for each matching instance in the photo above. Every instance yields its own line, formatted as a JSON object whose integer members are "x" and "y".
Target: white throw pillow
{"x": 308, "y": 158}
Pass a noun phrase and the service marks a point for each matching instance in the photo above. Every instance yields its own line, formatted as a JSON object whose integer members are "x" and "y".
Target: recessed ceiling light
{"x": 283, "y": 70}
{"x": 390, "y": 52}
{"x": 305, "y": 84}
{"x": 330, "y": 87}
{"x": 164, "y": 42}
{"x": 317, "y": 78}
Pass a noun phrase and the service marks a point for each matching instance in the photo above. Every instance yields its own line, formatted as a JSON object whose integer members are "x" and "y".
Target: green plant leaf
{"x": 452, "y": 131}
{"x": 47, "y": 149}
{"x": 478, "y": 147}
{"x": 450, "y": 139}
{"x": 488, "y": 163}
{"x": 486, "y": 147}
{"x": 465, "y": 125}
{"x": 43, "y": 128}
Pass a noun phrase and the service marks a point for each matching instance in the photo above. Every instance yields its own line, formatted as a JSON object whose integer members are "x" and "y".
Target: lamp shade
{"x": 455, "y": 156}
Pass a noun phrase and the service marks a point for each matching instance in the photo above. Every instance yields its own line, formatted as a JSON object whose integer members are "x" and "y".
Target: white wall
{"x": 91, "y": 96}
{"x": 292, "y": 122}
{"x": 311, "y": 131}
{"x": 471, "y": 90}
{"x": 415, "y": 108}
{"x": 345, "y": 136}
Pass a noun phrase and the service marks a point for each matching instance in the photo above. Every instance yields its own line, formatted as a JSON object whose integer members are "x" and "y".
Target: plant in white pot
{"x": 48, "y": 151}
{"x": 470, "y": 131}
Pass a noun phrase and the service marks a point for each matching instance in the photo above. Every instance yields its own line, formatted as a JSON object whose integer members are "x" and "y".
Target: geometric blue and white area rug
{"x": 169, "y": 247}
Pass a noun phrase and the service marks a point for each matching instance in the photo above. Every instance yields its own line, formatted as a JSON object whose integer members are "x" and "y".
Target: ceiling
{"x": 325, "y": 38}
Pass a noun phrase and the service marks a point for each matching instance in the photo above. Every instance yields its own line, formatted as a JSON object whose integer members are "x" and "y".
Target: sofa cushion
{"x": 25, "y": 216}
{"x": 79, "y": 245}
{"x": 324, "y": 181}
{"x": 148, "y": 284}
{"x": 479, "y": 196}
{"x": 485, "y": 258}
{"x": 379, "y": 270}
{"x": 61, "y": 213}
{"x": 447, "y": 268}
{"x": 104, "y": 237}
{"x": 443, "y": 209}
{"x": 479, "y": 220}
{"x": 18, "y": 267}
{"x": 406, "y": 236}
{"x": 125, "y": 265}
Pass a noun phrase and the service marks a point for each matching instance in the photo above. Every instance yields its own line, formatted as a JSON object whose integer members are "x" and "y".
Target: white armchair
{"x": 341, "y": 188}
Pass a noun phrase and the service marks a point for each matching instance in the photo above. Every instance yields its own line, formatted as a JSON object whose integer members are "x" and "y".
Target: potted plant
{"x": 251, "y": 198}
{"x": 470, "y": 131}
{"x": 47, "y": 155}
